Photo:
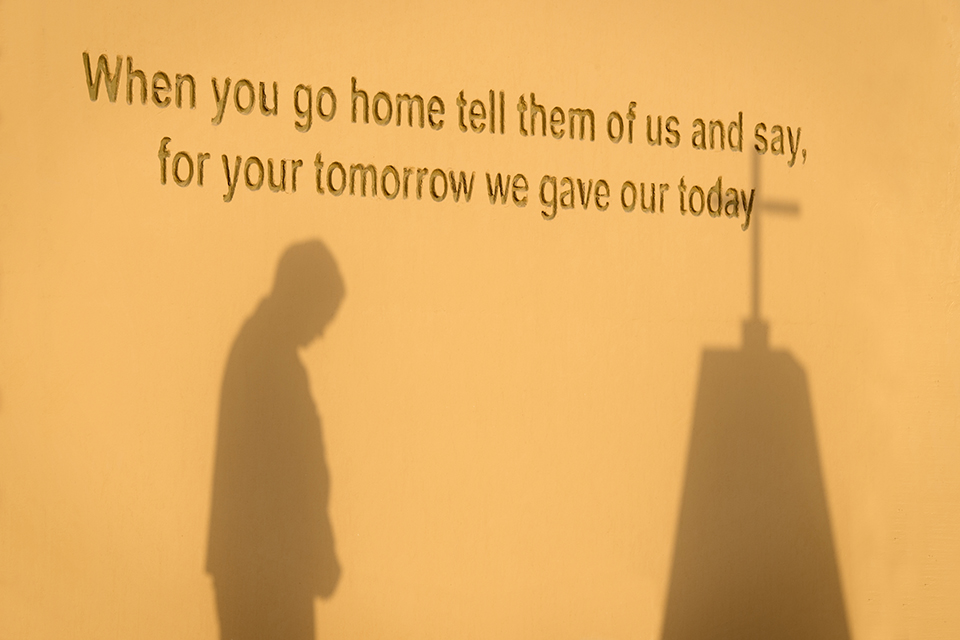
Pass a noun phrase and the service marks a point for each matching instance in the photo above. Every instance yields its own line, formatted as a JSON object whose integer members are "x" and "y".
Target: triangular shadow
{"x": 754, "y": 555}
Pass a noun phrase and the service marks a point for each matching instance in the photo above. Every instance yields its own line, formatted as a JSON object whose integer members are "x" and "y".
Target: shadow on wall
{"x": 754, "y": 555}
{"x": 271, "y": 549}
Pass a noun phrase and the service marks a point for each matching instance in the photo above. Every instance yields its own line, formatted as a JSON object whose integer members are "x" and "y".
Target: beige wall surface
{"x": 512, "y": 427}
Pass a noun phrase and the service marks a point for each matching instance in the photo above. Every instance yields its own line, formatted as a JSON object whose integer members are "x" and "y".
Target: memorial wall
{"x": 513, "y": 321}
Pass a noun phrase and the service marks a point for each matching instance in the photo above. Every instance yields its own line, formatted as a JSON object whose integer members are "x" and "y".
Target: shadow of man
{"x": 271, "y": 549}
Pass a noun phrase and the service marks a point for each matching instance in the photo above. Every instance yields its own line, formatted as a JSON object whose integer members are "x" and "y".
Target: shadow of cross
{"x": 753, "y": 554}
{"x": 755, "y": 328}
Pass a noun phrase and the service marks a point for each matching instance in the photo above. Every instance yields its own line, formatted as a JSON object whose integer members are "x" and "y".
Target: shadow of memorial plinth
{"x": 271, "y": 548}
{"x": 754, "y": 557}
{"x": 754, "y": 554}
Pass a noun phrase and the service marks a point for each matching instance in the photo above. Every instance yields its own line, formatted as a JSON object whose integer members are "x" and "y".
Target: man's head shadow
{"x": 307, "y": 291}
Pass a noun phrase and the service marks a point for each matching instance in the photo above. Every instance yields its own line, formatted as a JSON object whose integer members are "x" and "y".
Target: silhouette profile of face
{"x": 307, "y": 291}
